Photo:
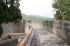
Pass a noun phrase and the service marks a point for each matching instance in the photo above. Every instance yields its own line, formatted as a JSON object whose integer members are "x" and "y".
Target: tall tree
{"x": 9, "y": 12}
{"x": 62, "y": 8}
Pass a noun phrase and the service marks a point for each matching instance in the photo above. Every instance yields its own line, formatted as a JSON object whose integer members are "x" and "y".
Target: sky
{"x": 37, "y": 7}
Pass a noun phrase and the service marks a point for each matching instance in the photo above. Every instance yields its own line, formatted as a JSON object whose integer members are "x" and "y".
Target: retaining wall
{"x": 18, "y": 27}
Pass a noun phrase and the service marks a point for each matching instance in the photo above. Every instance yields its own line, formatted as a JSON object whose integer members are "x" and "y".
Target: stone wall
{"x": 18, "y": 27}
{"x": 9, "y": 42}
{"x": 61, "y": 29}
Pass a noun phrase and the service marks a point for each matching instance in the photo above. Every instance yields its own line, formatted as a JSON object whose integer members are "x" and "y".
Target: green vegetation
{"x": 1, "y": 31}
{"x": 9, "y": 11}
{"x": 36, "y": 17}
{"x": 62, "y": 8}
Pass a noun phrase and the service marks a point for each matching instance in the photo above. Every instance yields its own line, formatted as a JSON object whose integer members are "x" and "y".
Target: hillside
{"x": 35, "y": 17}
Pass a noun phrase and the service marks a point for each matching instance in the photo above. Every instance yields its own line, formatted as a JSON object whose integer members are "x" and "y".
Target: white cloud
{"x": 36, "y": 7}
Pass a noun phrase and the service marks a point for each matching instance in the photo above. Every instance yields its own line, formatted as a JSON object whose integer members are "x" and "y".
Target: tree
{"x": 9, "y": 12}
{"x": 62, "y": 8}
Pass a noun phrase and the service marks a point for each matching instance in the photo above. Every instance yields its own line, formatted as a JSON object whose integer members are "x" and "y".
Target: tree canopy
{"x": 9, "y": 11}
{"x": 62, "y": 8}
